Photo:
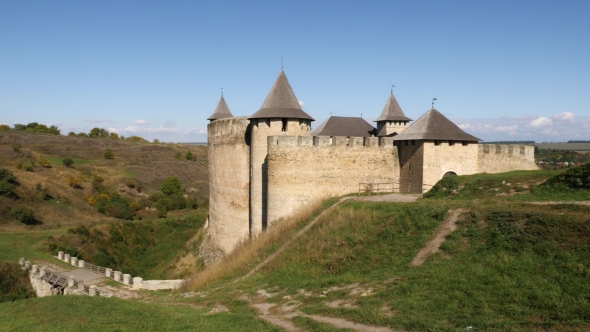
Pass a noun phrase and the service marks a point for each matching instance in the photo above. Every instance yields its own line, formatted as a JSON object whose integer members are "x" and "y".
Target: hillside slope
{"x": 136, "y": 170}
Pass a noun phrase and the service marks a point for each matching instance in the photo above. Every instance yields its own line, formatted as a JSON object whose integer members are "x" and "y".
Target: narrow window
{"x": 284, "y": 124}
{"x": 413, "y": 143}
{"x": 406, "y": 143}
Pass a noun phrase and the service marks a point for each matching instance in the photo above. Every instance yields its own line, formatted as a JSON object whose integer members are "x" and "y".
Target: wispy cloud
{"x": 565, "y": 116}
{"x": 100, "y": 121}
{"x": 140, "y": 122}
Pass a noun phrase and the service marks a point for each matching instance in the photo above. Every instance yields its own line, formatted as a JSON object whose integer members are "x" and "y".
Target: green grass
{"x": 509, "y": 267}
{"x": 27, "y": 244}
{"x": 59, "y": 161}
{"x": 83, "y": 313}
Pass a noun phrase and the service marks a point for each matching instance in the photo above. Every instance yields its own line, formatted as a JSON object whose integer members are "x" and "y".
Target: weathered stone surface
{"x": 300, "y": 174}
{"x": 496, "y": 158}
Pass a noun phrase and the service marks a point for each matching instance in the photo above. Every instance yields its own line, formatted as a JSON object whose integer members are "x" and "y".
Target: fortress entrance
{"x": 448, "y": 174}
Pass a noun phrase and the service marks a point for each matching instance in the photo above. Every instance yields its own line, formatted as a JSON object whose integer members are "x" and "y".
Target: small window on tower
{"x": 284, "y": 124}
{"x": 436, "y": 142}
{"x": 413, "y": 143}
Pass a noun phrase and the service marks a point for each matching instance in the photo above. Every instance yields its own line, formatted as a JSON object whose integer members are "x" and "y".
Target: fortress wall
{"x": 395, "y": 127}
{"x": 440, "y": 159}
{"x": 229, "y": 157}
{"x": 261, "y": 130}
{"x": 303, "y": 169}
{"x": 498, "y": 158}
{"x": 411, "y": 158}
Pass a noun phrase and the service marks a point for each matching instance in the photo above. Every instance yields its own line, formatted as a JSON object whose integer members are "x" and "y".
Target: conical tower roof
{"x": 221, "y": 111}
{"x": 281, "y": 102}
{"x": 392, "y": 111}
{"x": 434, "y": 126}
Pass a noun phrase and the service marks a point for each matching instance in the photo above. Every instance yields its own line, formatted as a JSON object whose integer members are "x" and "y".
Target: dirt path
{"x": 382, "y": 198}
{"x": 449, "y": 226}
{"x": 557, "y": 203}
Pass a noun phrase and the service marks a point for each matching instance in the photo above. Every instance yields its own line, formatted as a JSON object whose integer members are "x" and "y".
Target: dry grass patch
{"x": 249, "y": 253}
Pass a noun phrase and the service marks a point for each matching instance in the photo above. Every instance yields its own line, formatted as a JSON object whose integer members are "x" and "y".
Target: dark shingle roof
{"x": 344, "y": 126}
{"x": 392, "y": 111}
{"x": 281, "y": 102}
{"x": 221, "y": 111}
{"x": 434, "y": 126}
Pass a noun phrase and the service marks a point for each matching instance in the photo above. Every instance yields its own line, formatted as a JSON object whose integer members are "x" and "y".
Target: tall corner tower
{"x": 392, "y": 121}
{"x": 221, "y": 111}
{"x": 280, "y": 114}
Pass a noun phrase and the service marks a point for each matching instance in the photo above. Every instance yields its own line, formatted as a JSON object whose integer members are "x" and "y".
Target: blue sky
{"x": 502, "y": 70}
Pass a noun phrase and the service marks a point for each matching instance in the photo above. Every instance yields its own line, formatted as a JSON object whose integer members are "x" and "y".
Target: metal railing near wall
{"x": 371, "y": 188}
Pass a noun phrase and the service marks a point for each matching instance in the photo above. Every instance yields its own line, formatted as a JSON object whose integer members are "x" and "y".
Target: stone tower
{"x": 280, "y": 114}
{"x": 221, "y": 111}
{"x": 434, "y": 147}
{"x": 392, "y": 121}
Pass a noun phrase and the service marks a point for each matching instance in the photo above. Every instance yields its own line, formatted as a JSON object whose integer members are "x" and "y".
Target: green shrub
{"x": 189, "y": 156}
{"x": 108, "y": 154}
{"x": 171, "y": 186}
{"x": 178, "y": 155}
{"x": 6, "y": 188}
{"x": 575, "y": 178}
{"x": 14, "y": 283}
{"x": 44, "y": 162}
{"x": 116, "y": 207}
{"x": 23, "y": 214}
{"x": 178, "y": 202}
{"x": 6, "y": 175}
{"x": 68, "y": 162}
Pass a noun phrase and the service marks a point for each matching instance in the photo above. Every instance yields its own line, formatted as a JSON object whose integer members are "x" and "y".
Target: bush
{"x": 97, "y": 184}
{"x": 189, "y": 156}
{"x": 16, "y": 148}
{"x": 6, "y": 188}
{"x": 74, "y": 182}
{"x": 131, "y": 183}
{"x": 6, "y": 175}
{"x": 4, "y": 127}
{"x": 68, "y": 162}
{"x": 44, "y": 162}
{"x": 178, "y": 155}
{"x": 178, "y": 202}
{"x": 171, "y": 186}
{"x": 108, "y": 154}
{"x": 23, "y": 214}
{"x": 14, "y": 283}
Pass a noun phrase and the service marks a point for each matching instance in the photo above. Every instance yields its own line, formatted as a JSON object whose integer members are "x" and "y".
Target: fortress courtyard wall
{"x": 261, "y": 130}
{"x": 441, "y": 157}
{"x": 303, "y": 169}
{"x": 498, "y": 158}
{"x": 229, "y": 160}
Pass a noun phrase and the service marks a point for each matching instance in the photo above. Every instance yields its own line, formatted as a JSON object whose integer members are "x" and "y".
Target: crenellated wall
{"x": 229, "y": 181}
{"x": 498, "y": 158}
{"x": 303, "y": 169}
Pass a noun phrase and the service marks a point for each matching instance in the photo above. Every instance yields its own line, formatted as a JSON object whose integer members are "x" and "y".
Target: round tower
{"x": 280, "y": 114}
{"x": 392, "y": 121}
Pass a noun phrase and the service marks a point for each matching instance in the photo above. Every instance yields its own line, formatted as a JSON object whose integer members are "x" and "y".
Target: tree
{"x": 114, "y": 136}
{"x": 68, "y": 162}
{"x": 4, "y": 127}
{"x": 171, "y": 186}
{"x": 98, "y": 133}
{"x": 108, "y": 154}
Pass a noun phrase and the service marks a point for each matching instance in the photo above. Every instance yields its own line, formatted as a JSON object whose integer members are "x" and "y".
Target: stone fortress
{"x": 266, "y": 166}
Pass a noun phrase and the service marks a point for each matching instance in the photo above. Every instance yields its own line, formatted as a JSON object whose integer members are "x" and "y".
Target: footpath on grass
{"x": 405, "y": 198}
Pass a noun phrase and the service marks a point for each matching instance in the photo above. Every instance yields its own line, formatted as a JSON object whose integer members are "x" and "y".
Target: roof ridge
{"x": 392, "y": 111}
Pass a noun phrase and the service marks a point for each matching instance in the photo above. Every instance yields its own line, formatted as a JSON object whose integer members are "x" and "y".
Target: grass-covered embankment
{"x": 147, "y": 248}
{"x": 83, "y": 313}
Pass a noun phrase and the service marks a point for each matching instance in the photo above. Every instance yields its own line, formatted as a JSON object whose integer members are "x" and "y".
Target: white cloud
{"x": 550, "y": 131}
{"x": 507, "y": 128}
{"x": 488, "y": 126}
{"x": 465, "y": 126}
{"x": 586, "y": 126}
{"x": 541, "y": 122}
{"x": 100, "y": 121}
{"x": 565, "y": 116}
{"x": 301, "y": 103}
{"x": 140, "y": 122}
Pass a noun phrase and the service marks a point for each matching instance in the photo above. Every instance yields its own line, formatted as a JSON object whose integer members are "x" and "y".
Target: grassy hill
{"x": 136, "y": 171}
{"x": 517, "y": 262}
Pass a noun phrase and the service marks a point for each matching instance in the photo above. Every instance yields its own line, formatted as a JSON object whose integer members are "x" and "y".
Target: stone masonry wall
{"x": 448, "y": 157}
{"x": 496, "y": 158}
{"x": 261, "y": 130}
{"x": 229, "y": 181}
{"x": 303, "y": 169}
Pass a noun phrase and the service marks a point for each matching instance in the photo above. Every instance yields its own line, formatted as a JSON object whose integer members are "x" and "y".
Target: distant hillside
{"x": 59, "y": 194}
